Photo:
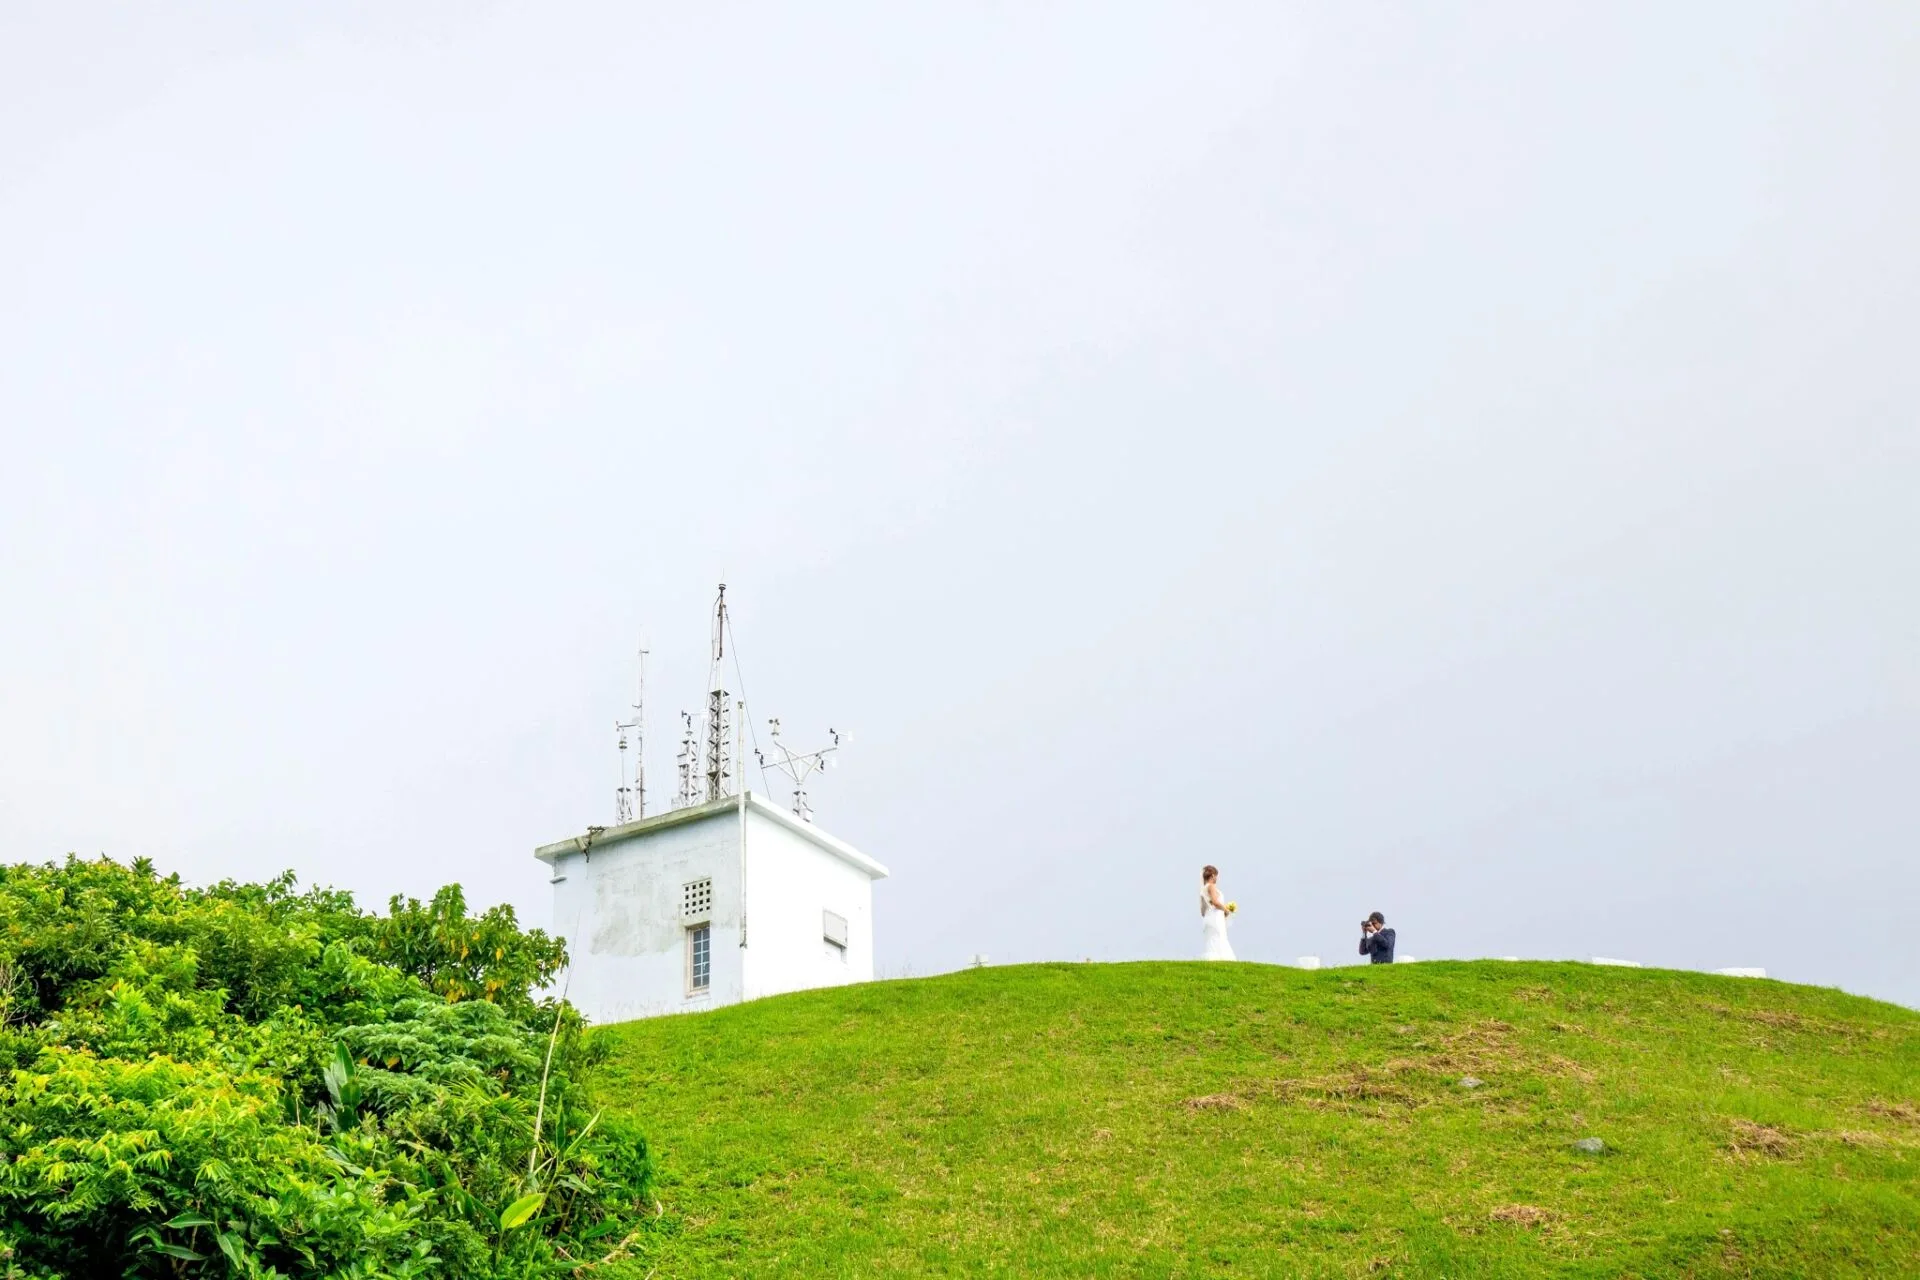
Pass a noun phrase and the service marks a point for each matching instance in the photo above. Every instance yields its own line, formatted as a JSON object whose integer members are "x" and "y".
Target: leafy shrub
{"x": 246, "y": 1080}
{"x": 464, "y": 957}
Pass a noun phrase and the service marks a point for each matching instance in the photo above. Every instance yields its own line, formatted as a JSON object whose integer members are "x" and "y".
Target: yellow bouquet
{"x": 1232, "y": 907}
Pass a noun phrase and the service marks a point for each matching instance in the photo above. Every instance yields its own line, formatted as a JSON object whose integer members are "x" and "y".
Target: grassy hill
{"x": 1238, "y": 1119}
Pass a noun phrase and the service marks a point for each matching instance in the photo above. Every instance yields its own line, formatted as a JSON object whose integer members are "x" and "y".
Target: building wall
{"x": 618, "y": 906}
{"x": 790, "y": 882}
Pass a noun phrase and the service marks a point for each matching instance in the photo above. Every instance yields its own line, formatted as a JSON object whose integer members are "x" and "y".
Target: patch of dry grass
{"x": 1524, "y": 1215}
{"x": 1747, "y": 1138}
{"x": 1216, "y": 1102}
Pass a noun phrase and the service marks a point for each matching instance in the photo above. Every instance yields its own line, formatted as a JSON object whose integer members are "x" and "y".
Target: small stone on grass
{"x": 1592, "y": 1146}
{"x": 1471, "y": 1082}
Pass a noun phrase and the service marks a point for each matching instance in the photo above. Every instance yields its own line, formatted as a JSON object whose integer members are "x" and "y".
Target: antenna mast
{"x": 719, "y": 766}
{"x": 622, "y": 794}
{"x": 799, "y": 766}
{"x": 640, "y": 739}
{"x": 630, "y": 798}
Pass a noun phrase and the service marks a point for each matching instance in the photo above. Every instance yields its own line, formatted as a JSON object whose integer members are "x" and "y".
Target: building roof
{"x": 601, "y": 837}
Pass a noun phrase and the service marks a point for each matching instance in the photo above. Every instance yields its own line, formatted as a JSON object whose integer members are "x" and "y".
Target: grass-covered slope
{"x": 1237, "y": 1119}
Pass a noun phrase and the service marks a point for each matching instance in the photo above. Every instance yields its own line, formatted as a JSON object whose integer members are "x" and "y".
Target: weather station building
{"x": 709, "y": 905}
{"x": 723, "y": 898}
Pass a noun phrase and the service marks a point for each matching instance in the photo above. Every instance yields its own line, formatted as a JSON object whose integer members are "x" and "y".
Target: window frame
{"x": 696, "y": 934}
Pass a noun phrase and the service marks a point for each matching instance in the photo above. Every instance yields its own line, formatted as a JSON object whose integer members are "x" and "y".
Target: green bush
{"x": 245, "y": 1080}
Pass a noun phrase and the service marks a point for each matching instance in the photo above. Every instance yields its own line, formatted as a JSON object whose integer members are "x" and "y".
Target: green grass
{"x": 1238, "y": 1119}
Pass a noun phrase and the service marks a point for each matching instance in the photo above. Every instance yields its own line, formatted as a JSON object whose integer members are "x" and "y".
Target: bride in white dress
{"x": 1213, "y": 917}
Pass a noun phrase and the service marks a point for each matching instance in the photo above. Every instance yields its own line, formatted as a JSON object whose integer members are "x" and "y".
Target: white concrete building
{"x": 709, "y": 905}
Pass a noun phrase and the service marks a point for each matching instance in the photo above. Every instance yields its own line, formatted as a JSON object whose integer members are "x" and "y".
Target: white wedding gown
{"x": 1213, "y": 932}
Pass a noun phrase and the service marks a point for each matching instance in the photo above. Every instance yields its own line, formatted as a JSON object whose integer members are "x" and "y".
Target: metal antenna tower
{"x": 719, "y": 766}
{"x": 799, "y": 766}
{"x": 630, "y": 799}
{"x": 688, "y": 765}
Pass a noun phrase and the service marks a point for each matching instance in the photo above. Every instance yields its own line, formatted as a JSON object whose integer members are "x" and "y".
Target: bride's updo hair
{"x": 1209, "y": 872}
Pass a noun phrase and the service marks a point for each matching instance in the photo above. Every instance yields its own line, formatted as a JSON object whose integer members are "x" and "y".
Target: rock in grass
{"x": 1592, "y": 1146}
{"x": 1471, "y": 1082}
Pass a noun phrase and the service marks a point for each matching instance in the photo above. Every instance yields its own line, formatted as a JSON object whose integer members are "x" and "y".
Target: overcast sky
{"x": 1461, "y": 461}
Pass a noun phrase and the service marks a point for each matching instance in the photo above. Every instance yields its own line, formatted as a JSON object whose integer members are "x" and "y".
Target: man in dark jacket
{"x": 1376, "y": 939}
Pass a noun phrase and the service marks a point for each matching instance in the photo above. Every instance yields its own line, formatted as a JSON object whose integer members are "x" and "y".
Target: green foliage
{"x": 1159, "y": 1120}
{"x": 341, "y": 1110}
{"x": 517, "y": 1213}
{"x": 246, "y": 1080}
{"x": 463, "y": 957}
{"x": 115, "y": 1160}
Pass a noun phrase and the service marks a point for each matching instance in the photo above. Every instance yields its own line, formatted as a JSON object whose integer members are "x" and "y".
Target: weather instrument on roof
{"x": 798, "y": 765}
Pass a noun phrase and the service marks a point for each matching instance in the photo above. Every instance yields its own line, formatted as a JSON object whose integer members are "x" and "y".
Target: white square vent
{"x": 834, "y": 929}
{"x": 696, "y": 899}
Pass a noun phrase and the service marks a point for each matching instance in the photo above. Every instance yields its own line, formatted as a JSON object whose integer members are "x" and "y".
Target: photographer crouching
{"x": 1376, "y": 939}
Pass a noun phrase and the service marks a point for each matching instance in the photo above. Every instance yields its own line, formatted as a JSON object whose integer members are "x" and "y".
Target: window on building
{"x": 699, "y": 959}
{"x": 696, "y": 899}
{"x": 833, "y": 928}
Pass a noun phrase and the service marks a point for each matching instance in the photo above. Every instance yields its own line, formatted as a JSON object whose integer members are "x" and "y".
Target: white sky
{"x": 1463, "y": 463}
